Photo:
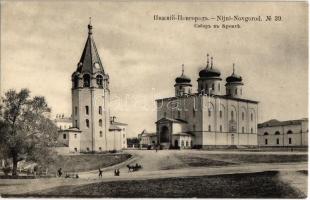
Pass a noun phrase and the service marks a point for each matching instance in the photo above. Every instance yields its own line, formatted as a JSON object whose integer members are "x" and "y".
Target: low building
{"x": 63, "y": 122}
{"x": 274, "y": 133}
{"x": 147, "y": 139}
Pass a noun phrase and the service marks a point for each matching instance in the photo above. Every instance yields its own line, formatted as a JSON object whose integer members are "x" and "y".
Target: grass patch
{"x": 249, "y": 185}
{"x": 79, "y": 163}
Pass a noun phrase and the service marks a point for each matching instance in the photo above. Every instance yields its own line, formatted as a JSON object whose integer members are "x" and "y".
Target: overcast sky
{"x": 41, "y": 44}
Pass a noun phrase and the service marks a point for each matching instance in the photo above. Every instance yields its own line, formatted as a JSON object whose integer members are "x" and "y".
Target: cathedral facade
{"x": 93, "y": 128}
{"x": 214, "y": 116}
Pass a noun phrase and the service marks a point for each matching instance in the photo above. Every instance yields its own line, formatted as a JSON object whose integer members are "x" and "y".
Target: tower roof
{"x": 234, "y": 78}
{"x": 90, "y": 61}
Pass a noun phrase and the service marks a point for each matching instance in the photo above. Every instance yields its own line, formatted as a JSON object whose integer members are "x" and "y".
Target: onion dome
{"x": 234, "y": 78}
{"x": 183, "y": 79}
{"x": 209, "y": 72}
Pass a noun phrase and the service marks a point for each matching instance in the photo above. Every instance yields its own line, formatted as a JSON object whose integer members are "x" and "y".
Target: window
{"x": 266, "y": 133}
{"x": 251, "y": 130}
{"x": 100, "y": 122}
{"x": 87, "y": 123}
{"x": 251, "y": 116}
{"x": 124, "y": 135}
{"x": 242, "y": 129}
{"x": 242, "y": 115}
{"x": 236, "y": 91}
{"x": 232, "y": 115}
{"x": 290, "y": 140}
{"x": 64, "y": 136}
{"x": 75, "y": 110}
{"x": 100, "y": 133}
{"x": 75, "y": 149}
{"x": 213, "y": 86}
{"x": 194, "y": 112}
{"x": 76, "y": 82}
{"x": 289, "y": 132}
{"x": 266, "y": 141}
{"x": 75, "y": 135}
{"x": 100, "y": 110}
{"x": 99, "y": 80}
{"x": 221, "y": 128}
{"x": 209, "y": 112}
{"x": 209, "y": 128}
{"x": 221, "y": 114}
{"x": 277, "y": 133}
{"x": 86, "y": 110}
{"x": 76, "y": 125}
{"x": 219, "y": 87}
{"x": 240, "y": 91}
{"x": 186, "y": 144}
{"x": 278, "y": 141}
{"x": 86, "y": 80}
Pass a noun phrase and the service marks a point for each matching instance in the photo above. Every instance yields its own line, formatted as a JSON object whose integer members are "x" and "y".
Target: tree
{"x": 25, "y": 132}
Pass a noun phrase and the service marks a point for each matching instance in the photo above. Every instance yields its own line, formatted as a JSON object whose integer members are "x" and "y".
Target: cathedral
{"x": 213, "y": 117}
{"x": 92, "y": 129}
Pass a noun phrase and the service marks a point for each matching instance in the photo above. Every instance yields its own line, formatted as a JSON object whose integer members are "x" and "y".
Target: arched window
{"x": 251, "y": 116}
{"x": 76, "y": 81}
{"x": 266, "y": 133}
{"x": 86, "y": 110}
{"x": 221, "y": 128}
{"x": 266, "y": 141}
{"x": 251, "y": 130}
{"x": 186, "y": 143}
{"x": 221, "y": 113}
{"x": 232, "y": 115}
{"x": 213, "y": 86}
{"x": 87, "y": 123}
{"x": 99, "y": 80}
{"x": 236, "y": 91}
{"x": 278, "y": 141}
{"x": 209, "y": 128}
{"x": 100, "y": 133}
{"x": 100, "y": 110}
{"x": 277, "y": 133}
{"x": 86, "y": 80}
{"x": 289, "y": 132}
{"x": 242, "y": 115}
{"x": 240, "y": 91}
{"x": 100, "y": 122}
{"x": 209, "y": 112}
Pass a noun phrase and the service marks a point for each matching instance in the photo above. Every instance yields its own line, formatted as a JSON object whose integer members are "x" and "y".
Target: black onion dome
{"x": 234, "y": 77}
{"x": 209, "y": 72}
{"x": 183, "y": 79}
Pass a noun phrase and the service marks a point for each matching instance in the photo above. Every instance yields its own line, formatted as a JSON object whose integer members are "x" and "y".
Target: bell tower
{"x": 90, "y": 98}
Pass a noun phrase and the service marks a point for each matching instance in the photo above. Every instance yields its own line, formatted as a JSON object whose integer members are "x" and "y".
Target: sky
{"x": 41, "y": 43}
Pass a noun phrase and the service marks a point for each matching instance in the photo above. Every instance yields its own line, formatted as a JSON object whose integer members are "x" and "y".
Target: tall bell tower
{"x": 90, "y": 98}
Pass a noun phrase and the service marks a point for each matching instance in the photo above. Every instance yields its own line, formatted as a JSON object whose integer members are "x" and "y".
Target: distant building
{"x": 63, "y": 122}
{"x": 147, "y": 139}
{"x": 283, "y": 133}
{"x": 214, "y": 116}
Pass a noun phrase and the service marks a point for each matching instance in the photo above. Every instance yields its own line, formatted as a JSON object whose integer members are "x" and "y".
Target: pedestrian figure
{"x": 116, "y": 172}
{"x": 100, "y": 173}
{"x": 59, "y": 172}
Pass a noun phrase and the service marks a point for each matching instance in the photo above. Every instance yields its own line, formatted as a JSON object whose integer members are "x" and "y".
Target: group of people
{"x": 116, "y": 172}
{"x": 59, "y": 173}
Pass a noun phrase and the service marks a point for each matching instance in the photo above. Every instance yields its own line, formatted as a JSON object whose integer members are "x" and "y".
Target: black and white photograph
{"x": 153, "y": 99}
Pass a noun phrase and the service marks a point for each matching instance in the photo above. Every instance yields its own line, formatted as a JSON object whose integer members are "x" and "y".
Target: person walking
{"x": 59, "y": 172}
{"x": 100, "y": 173}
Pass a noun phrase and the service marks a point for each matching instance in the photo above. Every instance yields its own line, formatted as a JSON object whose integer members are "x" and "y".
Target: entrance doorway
{"x": 176, "y": 143}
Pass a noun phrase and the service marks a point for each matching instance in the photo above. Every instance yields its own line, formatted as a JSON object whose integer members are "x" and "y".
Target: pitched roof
{"x": 274, "y": 122}
{"x": 90, "y": 61}
{"x": 172, "y": 120}
{"x": 114, "y": 128}
{"x": 119, "y": 123}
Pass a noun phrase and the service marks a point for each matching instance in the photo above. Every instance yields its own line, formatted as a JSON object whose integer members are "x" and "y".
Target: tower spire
{"x": 233, "y": 68}
{"x": 207, "y": 61}
{"x": 211, "y": 62}
{"x": 90, "y": 27}
{"x": 182, "y": 69}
